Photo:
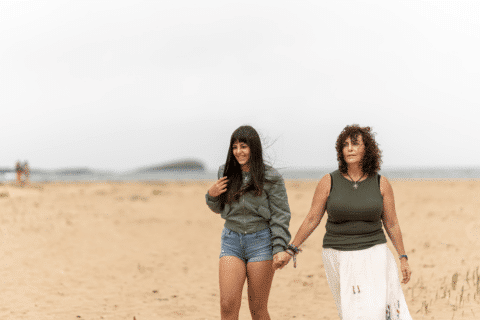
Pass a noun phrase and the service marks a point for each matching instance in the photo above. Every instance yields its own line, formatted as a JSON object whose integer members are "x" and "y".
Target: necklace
{"x": 355, "y": 185}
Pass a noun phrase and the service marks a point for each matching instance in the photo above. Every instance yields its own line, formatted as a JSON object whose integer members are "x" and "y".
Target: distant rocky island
{"x": 175, "y": 166}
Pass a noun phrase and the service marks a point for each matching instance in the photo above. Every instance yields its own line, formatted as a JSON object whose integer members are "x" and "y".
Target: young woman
{"x": 252, "y": 198}
{"x": 361, "y": 270}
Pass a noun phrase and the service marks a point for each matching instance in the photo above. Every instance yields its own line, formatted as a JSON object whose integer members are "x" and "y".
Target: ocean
{"x": 288, "y": 174}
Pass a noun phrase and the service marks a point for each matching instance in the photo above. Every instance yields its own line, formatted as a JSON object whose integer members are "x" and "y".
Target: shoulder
{"x": 335, "y": 173}
{"x": 385, "y": 186}
{"x": 272, "y": 174}
{"x": 325, "y": 183}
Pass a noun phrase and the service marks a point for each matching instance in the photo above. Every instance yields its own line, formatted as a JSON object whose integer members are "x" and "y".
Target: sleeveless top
{"x": 354, "y": 215}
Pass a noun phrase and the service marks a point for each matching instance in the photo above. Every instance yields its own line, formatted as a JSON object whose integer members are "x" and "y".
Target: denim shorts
{"x": 250, "y": 247}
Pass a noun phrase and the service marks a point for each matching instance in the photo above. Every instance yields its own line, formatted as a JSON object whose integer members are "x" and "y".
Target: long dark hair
{"x": 233, "y": 170}
{"x": 372, "y": 159}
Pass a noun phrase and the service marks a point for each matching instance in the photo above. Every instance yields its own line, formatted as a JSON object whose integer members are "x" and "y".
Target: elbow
{"x": 391, "y": 227}
{"x": 214, "y": 208}
{"x": 314, "y": 221}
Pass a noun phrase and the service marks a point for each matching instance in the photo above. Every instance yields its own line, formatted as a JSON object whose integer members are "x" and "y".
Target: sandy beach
{"x": 150, "y": 250}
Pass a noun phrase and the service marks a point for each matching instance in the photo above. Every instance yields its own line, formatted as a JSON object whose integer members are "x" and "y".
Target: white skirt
{"x": 365, "y": 284}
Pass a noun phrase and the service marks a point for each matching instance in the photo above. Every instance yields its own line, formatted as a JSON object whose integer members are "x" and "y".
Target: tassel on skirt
{"x": 365, "y": 284}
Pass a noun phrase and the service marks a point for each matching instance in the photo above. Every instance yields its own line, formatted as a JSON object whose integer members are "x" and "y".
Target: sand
{"x": 150, "y": 251}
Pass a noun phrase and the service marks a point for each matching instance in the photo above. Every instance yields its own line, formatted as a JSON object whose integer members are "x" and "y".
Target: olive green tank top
{"x": 354, "y": 214}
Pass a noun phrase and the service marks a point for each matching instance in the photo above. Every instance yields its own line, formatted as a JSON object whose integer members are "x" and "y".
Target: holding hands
{"x": 281, "y": 259}
{"x": 219, "y": 187}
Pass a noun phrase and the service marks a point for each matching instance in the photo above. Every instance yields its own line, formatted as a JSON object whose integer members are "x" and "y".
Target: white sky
{"x": 124, "y": 84}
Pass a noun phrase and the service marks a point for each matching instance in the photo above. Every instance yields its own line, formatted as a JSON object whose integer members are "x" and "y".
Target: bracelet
{"x": 295, "y": 249}
{"x": 403, "y": 256}
{"x": 290, "y": 252}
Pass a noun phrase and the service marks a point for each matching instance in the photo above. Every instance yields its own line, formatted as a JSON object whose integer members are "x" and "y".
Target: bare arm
{"x": 390, "y": 222}
{"x": 311, "y": 222}
{"x": 317, "y": 210}
{"x": 389, "y": 216}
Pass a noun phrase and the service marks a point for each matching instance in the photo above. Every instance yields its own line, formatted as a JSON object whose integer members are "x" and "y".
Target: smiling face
{"x": 353, "y": 150}
{"x": 241, "y": 152}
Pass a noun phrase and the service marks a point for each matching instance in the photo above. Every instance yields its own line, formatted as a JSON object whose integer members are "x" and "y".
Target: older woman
{"x": 361, "y": 270}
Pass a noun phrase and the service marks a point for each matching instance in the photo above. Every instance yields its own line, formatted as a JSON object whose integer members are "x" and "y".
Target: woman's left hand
{"x": 405, "y": 268}
{"x": 280, "y": 260}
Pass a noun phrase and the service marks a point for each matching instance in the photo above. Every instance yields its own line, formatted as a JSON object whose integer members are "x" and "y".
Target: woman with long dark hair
{"x": 252, "y": 198}
{"x": 361, "y": 270}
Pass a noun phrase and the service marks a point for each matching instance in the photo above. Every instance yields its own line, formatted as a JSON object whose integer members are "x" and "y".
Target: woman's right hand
{"x": 219, "y": 187}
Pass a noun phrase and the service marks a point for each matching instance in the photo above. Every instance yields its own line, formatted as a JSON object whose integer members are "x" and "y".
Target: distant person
{"x": 26, "y": 172}
{"x": 361, "y": 270}
{"x": 19, "y": 171}
{"x": 252, "y": 198}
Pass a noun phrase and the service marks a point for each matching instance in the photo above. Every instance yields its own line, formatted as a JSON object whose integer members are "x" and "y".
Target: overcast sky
{"x": 124, "y": 84}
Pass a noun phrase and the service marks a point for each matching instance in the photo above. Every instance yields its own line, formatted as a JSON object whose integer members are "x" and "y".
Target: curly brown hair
{"x": 372, "y": 158}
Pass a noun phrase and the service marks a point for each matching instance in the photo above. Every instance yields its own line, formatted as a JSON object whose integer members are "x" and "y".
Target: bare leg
{"x": 259, "y": 277}
{"x": 232, "y": 278}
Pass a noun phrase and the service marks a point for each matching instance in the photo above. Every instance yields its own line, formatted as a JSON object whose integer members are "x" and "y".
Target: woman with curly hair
{"x": 361, "y": 270}
{"x": 252, "y": 198}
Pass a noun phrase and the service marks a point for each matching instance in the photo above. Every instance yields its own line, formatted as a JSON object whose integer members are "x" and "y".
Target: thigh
{"x": 232, "y": 274}
{"x": 331, "y": 265}
{"x": 259, "y": 278}
{"x": 363, "y": 283}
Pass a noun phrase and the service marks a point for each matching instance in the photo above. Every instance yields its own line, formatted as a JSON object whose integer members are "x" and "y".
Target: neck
{"x": 355, "y": 171}
{"x": 246, "y": 168}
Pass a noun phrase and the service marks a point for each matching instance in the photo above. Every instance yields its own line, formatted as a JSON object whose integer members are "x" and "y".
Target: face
{"x": 241, "y": 152}
{"x": 353, "y": 151}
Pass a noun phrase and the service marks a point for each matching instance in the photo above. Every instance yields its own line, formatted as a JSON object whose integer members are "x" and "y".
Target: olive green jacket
{"x": 254, "y": 213}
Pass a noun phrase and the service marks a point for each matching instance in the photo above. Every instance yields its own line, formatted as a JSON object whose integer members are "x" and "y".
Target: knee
{"x": 228, "y": 306}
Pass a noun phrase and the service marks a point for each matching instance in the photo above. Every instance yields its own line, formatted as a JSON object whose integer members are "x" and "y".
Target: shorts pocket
{"x": 263, "y": 234}
{"x": 225, "y": 233}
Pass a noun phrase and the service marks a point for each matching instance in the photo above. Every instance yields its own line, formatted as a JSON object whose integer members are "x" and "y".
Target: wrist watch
{"x": 403, "y": 256}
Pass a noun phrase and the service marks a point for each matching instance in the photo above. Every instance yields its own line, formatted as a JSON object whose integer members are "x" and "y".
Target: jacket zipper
{"x": 244, "y": 214}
